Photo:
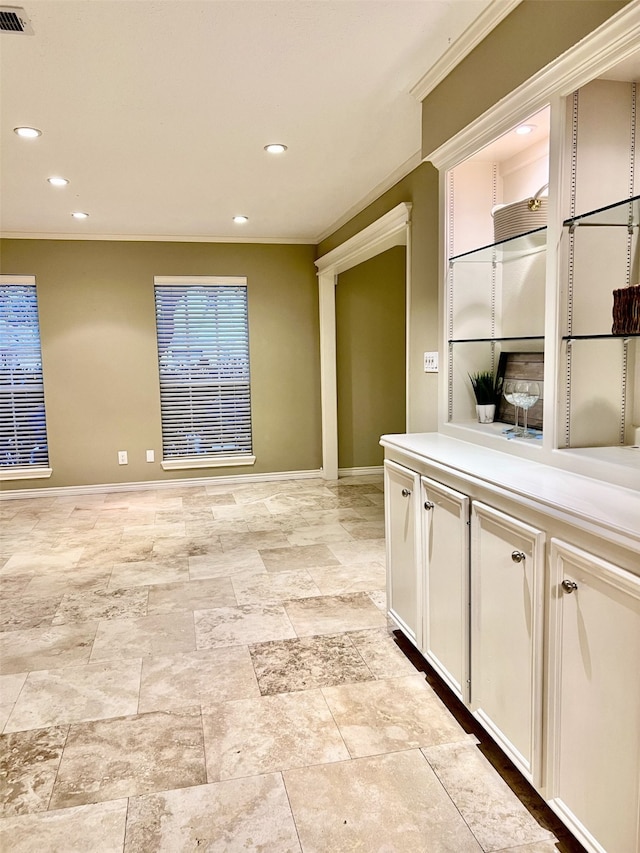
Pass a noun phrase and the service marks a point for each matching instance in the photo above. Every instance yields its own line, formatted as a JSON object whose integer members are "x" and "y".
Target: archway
{"x": 392, "y": 229}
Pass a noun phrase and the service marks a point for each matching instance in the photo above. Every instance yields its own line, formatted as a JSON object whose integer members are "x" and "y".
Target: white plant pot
{"x": 486, "y": 413}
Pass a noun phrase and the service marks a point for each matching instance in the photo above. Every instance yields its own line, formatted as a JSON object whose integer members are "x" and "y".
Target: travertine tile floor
{"x": 210, "y": 668}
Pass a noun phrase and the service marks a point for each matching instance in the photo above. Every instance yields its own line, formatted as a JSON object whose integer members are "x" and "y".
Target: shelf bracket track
{"x": 494, "y": 266}
{"x": 571, "y": 266}
{"x": 625, "y": 382}
{"x": 450, "y": 200}
{"x": 626, "y": 344}
{"x": 632, "y": 160}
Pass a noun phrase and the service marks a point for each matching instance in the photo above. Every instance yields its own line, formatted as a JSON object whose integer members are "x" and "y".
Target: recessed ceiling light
{"x": 58, "y": 182}
{"x": 524, "y": 129}
{"x": 275, "y": 148}
{"x": 240, "y": 219}
{"x": 80, "y": 215}
{"x": 27, "y": 132}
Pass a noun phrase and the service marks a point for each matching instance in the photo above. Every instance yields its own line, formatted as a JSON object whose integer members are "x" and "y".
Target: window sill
{"x": 26, "y": 473}
{"x": 206, "y": 462}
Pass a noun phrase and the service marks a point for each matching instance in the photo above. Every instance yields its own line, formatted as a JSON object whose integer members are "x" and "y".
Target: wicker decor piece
{"x": 626, "y": 311}
{"x": 511, "y": 220}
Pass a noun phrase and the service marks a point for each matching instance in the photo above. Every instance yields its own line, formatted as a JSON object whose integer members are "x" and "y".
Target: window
{"x": 203, "y": 354}
{"x": 23, "y": 428}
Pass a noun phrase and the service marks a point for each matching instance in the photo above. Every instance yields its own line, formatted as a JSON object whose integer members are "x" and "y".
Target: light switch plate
{"x": 431, "y": 362}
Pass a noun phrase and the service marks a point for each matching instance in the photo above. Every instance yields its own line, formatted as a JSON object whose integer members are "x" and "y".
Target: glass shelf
{"x": 496, "y": 340}
{"x": 505, "y": 250}
{"x": 622, "y": 214}
{"x": 599, "y": 337}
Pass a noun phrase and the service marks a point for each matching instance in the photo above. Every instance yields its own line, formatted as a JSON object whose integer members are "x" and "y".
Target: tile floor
{"x": 210, "y": 668}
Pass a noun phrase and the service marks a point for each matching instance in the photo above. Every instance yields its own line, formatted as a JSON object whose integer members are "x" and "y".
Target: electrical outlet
{"x": 151, "y": 457}
{"x": 431, "y": 362}
{"x": 122, "y": 457}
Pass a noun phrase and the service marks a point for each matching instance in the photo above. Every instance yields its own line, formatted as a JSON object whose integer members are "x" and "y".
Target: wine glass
{"x": 509, "y": 390}
{"x": 525, "y": 395}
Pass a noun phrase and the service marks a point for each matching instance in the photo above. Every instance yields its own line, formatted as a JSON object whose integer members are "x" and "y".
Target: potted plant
{"x": 487, "y": 388}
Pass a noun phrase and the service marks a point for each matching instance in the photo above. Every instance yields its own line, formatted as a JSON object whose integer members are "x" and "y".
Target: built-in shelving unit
{"x": 553, "y": 300}
{"x": 599, "y": 369}
{"x": 495, "y": 290}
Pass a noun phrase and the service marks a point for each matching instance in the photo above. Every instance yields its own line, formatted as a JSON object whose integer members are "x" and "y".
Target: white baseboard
{"x": 61, "y": 491}
{"x": 360, "y": 472}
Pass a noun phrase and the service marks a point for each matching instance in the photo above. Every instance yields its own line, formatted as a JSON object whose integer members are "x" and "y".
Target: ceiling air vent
{"x": 13, "y": 19}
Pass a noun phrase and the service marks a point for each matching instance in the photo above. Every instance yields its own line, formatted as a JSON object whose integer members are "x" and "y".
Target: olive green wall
{"x": 97, "y": 324}
{"x": 370, "y": 344}
{"x": 532, "y": 36}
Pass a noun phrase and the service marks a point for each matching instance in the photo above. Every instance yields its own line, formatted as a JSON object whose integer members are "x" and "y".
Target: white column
{"x": 328, "y": 380}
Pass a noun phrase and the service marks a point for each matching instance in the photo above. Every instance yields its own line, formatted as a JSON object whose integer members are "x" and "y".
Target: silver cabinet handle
{"x": 569, "y": 586}
{"x": 406, "y": 493}
{"x": 518, "y": 556}
{"x": 428, "y": 505}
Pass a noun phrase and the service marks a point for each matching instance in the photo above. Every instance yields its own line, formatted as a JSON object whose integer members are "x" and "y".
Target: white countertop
{"x": 612, "y": 507}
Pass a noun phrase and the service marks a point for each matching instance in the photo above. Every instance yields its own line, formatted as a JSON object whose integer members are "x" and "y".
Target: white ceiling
{"x": 157, "y": 112}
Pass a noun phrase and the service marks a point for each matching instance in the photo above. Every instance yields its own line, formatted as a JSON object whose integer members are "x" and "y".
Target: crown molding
{"x": 479, "y": 29}
{"x": 387, "y": 231}
{"x": 390, "y": 181}
{"x": 612, "y": 42}
{"x": 155, "y": 238}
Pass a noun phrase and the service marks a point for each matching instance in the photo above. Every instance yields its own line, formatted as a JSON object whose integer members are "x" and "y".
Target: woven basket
{"x": 626, "y": 311}
{"x": 511, "y": 220}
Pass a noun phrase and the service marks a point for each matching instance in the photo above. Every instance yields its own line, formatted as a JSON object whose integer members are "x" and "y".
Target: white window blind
{"x": 23, "y": 429}
{"x": 203, "y": 353}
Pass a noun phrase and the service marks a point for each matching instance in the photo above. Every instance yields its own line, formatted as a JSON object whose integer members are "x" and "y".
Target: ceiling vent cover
{"x": 13, "y": 19}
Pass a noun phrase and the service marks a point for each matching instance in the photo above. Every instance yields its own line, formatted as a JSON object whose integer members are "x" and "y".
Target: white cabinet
{"x": 507, "y": 565}
{"x": 553, "y": 669}
{"x": 445, "y": 526}
{"x": 593, "y": 742}
{"x": 427, "y": 544}
{"x": 403, "y": 547}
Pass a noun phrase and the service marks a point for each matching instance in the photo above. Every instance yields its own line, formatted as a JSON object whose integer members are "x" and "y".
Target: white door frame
{"x": 392, "y": 229}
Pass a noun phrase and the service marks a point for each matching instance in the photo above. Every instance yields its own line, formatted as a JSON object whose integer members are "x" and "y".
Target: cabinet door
{"x": 594, "y": 700}
{"x": 445, "y": 522}
{"x": 404, "y": 586}
{"x": 507, "y": 562}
